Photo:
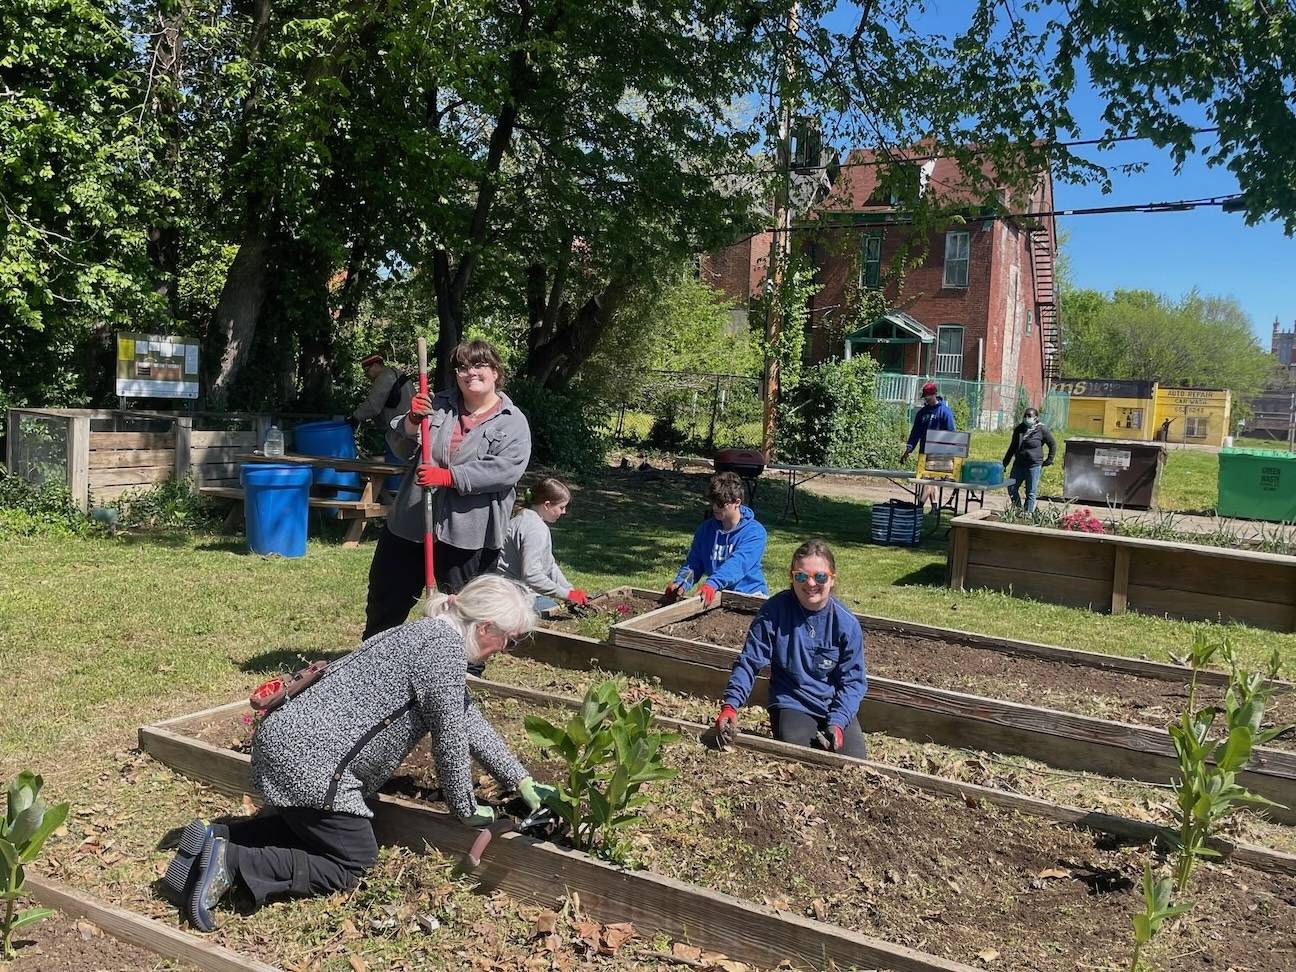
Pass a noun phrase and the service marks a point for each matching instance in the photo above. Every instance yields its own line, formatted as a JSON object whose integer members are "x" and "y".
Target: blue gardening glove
{"x": 535, "y": 793}
{"x": 480, "y": 817}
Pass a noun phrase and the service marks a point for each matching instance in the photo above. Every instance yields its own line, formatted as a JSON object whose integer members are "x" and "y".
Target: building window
{"x": 957, "y": 248}
{"x": 1195, "y": 427}
{"x": 871, "y": 260}
{"x": 949, "y": 351}
{"x": 1030, "y": 321}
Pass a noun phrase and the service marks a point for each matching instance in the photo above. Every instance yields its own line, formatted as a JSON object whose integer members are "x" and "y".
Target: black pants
{"x": 300, "y": 852}
{"x": 795, "y": 726}
{"x": 396, "y": 577}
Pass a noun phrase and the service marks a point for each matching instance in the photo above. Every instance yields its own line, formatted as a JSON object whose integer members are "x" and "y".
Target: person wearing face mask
{"x": 528, "y": 557}
{"x": 727, "y": 548}
{"x": 814, "y": 648}
{"x": 1026, "y": 454}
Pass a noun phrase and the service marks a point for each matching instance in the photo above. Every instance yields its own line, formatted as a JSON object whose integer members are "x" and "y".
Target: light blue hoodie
{"x": 729, "y": 559}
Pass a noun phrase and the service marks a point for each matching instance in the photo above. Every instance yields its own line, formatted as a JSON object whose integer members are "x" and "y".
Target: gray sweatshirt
{"x": 528, "y": 558}
{"x": 474, "y": 513}
{"x": 334, "y": 745}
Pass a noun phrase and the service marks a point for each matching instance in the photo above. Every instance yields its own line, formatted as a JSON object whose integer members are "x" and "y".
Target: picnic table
{"x": 358, "y": 511}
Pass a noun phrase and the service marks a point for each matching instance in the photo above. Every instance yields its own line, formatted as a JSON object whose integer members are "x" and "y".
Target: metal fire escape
{"x": 1046, "y": 299}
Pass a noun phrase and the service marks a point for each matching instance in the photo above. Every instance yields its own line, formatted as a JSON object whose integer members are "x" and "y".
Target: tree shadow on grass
{"x": 931, "y": 575}
{"x": 278, "y": 661}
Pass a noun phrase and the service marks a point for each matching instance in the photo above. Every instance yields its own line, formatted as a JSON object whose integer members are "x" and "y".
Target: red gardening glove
{"x": 577, "y": 596}
{"x": 708, "y": 594}
{"x": 835, "y": 738}
{"x": 727, "y": 720}
{"x": 429, "y": 476}
{"x": 420, "y": 407}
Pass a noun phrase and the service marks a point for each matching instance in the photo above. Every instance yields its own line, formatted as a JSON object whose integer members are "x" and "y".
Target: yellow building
{"x": 1116, "y": 409}
{"x": 1200, "y": 416}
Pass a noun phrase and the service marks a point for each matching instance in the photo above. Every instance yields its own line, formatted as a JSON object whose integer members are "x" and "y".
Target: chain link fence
{"x": 680, "y": 411}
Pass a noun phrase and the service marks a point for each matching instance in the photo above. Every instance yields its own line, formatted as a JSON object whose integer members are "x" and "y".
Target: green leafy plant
{"x": 1207, "y": 790}
{"x": 611, "y": 751}
{"x": 28, "y": 821}
{"x": 1157, "y": 909}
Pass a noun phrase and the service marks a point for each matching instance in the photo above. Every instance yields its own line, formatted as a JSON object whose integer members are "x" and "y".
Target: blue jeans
{"x": 1028, "y": 475}
{"x": 542, "y": 604}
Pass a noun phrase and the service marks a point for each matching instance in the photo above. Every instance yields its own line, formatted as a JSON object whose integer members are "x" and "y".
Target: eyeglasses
{"x": 468, "y": 369}
{"x": 820, "y": 576}
{"x": 510, "y": 641}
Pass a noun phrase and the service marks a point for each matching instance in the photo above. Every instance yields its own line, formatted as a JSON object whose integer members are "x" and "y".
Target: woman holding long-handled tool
{"x": 477, "y": 446}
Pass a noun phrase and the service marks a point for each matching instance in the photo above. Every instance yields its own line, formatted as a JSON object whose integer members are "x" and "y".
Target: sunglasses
{"x": 820, "y": 576}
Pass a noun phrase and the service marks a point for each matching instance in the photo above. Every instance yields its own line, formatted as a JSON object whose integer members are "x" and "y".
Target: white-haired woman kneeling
{"x": 319, "y": 756}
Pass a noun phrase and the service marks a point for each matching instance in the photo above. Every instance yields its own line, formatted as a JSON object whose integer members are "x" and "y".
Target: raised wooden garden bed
{"x": 667, "y": 644}
{"x": 846, "y": 843}
{"x": 1116, "y": 574}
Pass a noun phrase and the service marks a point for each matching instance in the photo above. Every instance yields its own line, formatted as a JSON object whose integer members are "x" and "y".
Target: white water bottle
{"x": 274, "y": 442}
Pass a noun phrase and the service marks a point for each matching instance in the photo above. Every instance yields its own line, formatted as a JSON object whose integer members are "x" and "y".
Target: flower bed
{"x": 1110, "y": 572}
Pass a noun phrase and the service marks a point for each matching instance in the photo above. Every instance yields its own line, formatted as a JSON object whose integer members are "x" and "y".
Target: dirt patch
{"x": 993, "y": 674}
{"x": 602, "y": 612}
{"x": 932, "y": 873}
{"x": 63, "y": 944}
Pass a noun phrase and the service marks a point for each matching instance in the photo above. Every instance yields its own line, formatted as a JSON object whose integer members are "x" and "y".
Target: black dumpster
{"x": 1112, "y": 472}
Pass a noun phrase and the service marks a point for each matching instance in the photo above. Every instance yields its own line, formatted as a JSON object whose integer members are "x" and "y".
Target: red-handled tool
{"x": 429, "y": 565}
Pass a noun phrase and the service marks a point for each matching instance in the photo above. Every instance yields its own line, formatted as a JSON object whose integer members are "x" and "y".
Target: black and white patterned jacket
{"x": 335, "y": 744}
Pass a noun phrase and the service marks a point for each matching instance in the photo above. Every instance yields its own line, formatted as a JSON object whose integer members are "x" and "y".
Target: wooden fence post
{"x": 183, "y": 428}
{"x": 261, "y": 423}
{"x": 1120, "y": 580}
{"x": 78, "y": 460}
{"x": 12, "y": 419}
{"x": 958, "y": 556}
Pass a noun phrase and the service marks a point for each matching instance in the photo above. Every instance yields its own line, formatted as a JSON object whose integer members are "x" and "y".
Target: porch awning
{"x": 895, "y": 327}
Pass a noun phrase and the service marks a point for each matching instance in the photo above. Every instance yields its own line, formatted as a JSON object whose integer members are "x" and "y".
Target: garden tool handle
{"x": 472, "y": 860}
{"x": 425, "y": 437}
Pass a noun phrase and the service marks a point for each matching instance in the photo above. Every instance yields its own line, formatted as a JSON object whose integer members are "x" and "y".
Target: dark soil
{"x": 62, "y": 944}
{"x": 602, "y": 612}
{"x": 994, "y": 674}
{"x": 957, "y": 880}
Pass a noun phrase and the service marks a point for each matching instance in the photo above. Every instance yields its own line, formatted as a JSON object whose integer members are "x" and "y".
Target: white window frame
{"x": 958, "y": 259}
{"x": 871, "y": 242}
{"x": 1193, "y": 423}
{"x": 953, "y": 363}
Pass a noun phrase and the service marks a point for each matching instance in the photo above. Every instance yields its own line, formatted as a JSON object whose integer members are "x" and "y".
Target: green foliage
{"x": 27, "y": 509}
{"x": 1206, "y": 790}
{"x": 567, "y": 427}
{"x": 831, "y": 417}
{"x": 610, "y": 751}
{"x": 1157, "y": 909}
{"x": 1200, "y": 341}
{"x": 28, "y": 822}
{"x": 174, "y": 504}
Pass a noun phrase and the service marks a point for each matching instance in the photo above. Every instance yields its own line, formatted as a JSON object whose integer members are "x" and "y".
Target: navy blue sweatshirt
{"x": 816, "y": 659}
{"x": 730, "y": 559}
{"x": 930, "y": 417}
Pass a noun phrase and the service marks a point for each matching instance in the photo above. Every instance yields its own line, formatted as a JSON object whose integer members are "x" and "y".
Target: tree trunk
{"x": 237, "y": 313}
{"x": 555, "y": 360}
{"x": 163, "y": 239}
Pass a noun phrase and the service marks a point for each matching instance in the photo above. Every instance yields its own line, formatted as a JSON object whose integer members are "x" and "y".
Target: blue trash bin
{"x": 334, "y": 440}
{"x": 275, "y": 503}
{"x": 392, "y": 483}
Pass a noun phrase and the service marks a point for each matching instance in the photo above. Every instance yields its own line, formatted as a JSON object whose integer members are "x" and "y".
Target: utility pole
{"x": 780, "y": 247}
{"x": 1291, "y": 425}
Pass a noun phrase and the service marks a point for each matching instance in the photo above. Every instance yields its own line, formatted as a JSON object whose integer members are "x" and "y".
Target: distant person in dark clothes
{"x": 481, "y": 444}
{"x": 934, "y": 414}
{"x": 1026, "y": 453}
{"x": 727, "y": 548}
{"x": 814, "y": 648}
{"x": 321, "y": 755}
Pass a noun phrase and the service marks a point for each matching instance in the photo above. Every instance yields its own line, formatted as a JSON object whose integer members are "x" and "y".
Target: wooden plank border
{"x": 159, "y": 938}
{"x": 542, "y": 873}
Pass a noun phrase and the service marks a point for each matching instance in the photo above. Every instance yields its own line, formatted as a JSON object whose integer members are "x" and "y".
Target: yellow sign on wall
{"x": 1194, "y": 415}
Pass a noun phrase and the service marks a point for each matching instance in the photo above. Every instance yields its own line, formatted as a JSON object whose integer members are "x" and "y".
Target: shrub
{"x": 174, "y": 504}
{"x": 831, "y": 417}
{"x": 567, "y": 426}
{"x": 28, "y": 822}
{"x": 27, "y": 509}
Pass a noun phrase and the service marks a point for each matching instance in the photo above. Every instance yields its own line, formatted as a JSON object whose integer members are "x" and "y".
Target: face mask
{"x": 1031, "y": 421}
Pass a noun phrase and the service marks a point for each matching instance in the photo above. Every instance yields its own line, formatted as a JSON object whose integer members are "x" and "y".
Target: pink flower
{"x": 247, "y": 718}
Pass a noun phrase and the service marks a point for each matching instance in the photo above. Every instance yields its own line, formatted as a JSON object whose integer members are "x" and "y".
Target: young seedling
{"x": 28, "y": 821}
{"x": 1157, "y": 910}
{"x": 1207, "y": 790}
{"x": 611, "y": 751}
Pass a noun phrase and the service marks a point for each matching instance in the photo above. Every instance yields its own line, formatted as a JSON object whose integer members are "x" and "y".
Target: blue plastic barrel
{"x": 392, "y": 483}
{"x": 275, "y": 503}
{"x": 336, "y": 441}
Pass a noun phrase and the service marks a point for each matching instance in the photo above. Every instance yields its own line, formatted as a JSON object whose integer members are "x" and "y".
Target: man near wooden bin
{"x": 934, "y": 415}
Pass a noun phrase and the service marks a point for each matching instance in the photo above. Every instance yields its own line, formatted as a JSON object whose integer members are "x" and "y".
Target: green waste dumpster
{"x": 1257, "y": 484}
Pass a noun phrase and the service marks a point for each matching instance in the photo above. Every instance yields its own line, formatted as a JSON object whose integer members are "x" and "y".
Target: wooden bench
{"x": 358, "y": 512}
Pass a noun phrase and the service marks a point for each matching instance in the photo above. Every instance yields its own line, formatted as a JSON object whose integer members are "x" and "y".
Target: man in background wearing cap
{"x": 934, "y": 414}
{"x": 389, "y": 394}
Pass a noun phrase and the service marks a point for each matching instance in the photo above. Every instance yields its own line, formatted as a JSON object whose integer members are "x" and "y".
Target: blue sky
{"x": 1170, "y": 253}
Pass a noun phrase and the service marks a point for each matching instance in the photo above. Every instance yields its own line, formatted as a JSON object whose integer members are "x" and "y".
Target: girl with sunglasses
{"x": 814, "y": 648}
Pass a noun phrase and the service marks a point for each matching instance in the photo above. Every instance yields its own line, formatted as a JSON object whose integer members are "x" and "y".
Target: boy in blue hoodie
{"x": 727, "y": 548}
{"x": 814, "y": 648}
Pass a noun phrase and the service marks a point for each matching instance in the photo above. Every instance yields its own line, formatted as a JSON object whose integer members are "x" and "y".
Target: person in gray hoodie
{"x": 322, "y": 754}
{"x": 528, "y": 557}
{"x": 481, "y": 444}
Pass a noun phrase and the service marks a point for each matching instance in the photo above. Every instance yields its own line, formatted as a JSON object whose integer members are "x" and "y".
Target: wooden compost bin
{"x": 1186, "y": 581}
{"x": 926, "y": 714}
{"x": 543, "y": 873}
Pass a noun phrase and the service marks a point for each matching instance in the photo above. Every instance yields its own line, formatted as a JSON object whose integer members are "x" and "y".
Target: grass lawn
{"x": 99, "y": 635}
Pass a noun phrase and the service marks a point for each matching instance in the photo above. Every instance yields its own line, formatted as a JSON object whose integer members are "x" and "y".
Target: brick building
{"x": 980, "y": 305}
